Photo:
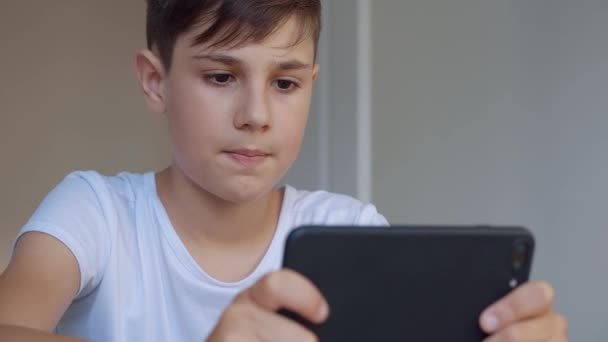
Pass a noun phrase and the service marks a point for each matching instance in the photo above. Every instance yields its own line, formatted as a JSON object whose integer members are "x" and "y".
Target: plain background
{"x": 482, "y": 112}
{"x": 496, "y": 111}
{"x": 69, "y": 100}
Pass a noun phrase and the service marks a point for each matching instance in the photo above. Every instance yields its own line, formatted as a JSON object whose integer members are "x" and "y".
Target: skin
{"x": 265, "y": 90}
{"x": 220, "y": 104}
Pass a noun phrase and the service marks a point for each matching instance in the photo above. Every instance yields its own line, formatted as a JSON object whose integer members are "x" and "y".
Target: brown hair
{"x": 228, "y": 22}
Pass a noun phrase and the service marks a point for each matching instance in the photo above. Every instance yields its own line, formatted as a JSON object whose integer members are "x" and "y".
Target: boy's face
{"x": 237, "y": 116}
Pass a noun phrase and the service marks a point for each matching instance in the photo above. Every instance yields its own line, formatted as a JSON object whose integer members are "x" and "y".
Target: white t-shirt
{"x": 138, "y": 281}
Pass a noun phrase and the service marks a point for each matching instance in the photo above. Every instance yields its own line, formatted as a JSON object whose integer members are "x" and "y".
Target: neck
{"x": 205, "y": 218}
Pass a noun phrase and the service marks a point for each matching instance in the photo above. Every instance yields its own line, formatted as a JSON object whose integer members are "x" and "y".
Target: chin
{"x": 245, "y": 192}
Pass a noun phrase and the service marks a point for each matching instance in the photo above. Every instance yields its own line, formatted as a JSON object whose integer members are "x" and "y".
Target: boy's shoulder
{"x": 124, "y": 184}
{"x": 331, "y": 208}
{"x": 305, "y": 200}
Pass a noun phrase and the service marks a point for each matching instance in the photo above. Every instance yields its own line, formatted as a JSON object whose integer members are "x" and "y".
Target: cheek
{"x": 196, "y": 117}
{"x": 293, "y": 125}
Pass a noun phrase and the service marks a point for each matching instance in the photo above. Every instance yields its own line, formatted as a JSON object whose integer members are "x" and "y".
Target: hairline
{"x": 203, "y": 23}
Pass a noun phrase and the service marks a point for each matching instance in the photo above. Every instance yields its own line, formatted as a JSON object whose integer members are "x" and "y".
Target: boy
{"x": 193, "y": 252}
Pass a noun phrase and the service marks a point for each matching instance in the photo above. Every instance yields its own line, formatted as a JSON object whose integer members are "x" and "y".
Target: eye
{"x": 285, "y": 85}
{"x": 219, "y": 79}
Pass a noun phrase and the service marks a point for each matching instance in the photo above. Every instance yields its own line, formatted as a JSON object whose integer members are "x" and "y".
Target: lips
{"x": 249, "y": 153}
{"x": 248, "y": 158}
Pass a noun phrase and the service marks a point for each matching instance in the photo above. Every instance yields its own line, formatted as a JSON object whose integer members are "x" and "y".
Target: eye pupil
{"x": 222, "y": 78}
{"x": 284, "y": 84}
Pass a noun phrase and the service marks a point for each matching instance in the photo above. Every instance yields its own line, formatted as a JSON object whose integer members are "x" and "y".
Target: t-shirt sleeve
{"x": 369, "y": 216}
{"x": 73, "y": 212}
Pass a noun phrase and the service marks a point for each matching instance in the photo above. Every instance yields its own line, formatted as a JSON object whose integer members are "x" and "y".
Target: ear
{"x": 151, "y": 75}
{"x": 315, "y": 72}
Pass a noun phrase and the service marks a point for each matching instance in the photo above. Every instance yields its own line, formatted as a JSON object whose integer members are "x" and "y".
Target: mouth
{"x": 248, "y": 157}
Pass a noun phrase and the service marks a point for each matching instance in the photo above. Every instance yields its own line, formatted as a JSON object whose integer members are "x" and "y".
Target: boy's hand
{"x": 525, "y": 314}
{"x": 253, "y": 316}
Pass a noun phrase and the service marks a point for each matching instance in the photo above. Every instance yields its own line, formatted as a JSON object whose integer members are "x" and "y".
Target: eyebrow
{"x": 292, "y": 64}
{"x": 222, "y": 59}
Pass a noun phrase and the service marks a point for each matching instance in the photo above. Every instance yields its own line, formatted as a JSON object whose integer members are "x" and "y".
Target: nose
{"x": 254, "y": 111}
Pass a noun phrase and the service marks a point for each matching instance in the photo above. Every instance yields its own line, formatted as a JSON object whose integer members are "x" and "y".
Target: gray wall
{"x": 497, "y": 112}
{"x": 329, "y": 156}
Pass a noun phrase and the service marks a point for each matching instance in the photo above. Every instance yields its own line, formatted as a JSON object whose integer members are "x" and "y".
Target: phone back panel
{"x": 408, "y": 283}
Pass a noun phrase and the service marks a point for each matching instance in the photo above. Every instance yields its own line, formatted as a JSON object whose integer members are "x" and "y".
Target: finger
{"x": 290, "y": 290}
{"x": 559, "y": 339}
{"x": 561, "y": 332}
{"x": 244, "y": 321}
{"x": 543, "y": 328}
{"x": 272, "y": 327}
{"x": 529, "y": 300}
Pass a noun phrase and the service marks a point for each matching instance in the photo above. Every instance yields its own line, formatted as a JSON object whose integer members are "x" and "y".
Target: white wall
{"x": 497, "y": 112}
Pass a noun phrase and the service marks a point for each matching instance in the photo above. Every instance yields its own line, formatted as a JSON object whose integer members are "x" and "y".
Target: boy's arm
{"x": 36, "y": 289}
{"x": 17, "y": 334}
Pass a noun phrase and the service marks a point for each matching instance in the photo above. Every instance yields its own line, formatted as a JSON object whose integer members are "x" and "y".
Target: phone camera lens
{"x": 519, "y": 255}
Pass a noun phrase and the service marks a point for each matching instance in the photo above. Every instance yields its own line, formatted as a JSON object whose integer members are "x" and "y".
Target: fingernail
{"x": 323, "y": 311}
{"x": 490, "y": 322}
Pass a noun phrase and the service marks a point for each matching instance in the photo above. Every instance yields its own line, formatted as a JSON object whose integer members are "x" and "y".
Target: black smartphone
{"x": 408, "y": 283}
